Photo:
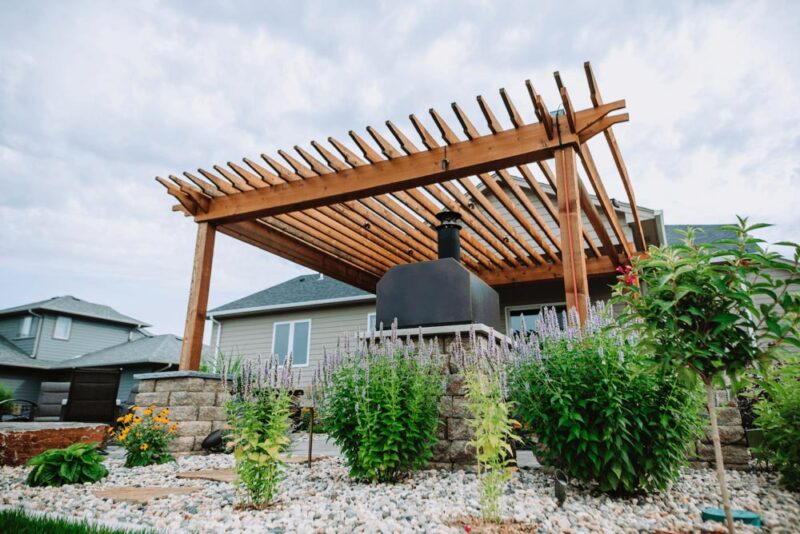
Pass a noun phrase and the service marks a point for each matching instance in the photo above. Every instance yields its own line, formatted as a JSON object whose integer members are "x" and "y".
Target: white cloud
{"x": 97, "y": 98}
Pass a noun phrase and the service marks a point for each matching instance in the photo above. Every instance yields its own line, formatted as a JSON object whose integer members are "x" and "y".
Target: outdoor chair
{"x": 92, "y": 396}
{"x": 52, "y": 396}
{"x": 47, "y": 408}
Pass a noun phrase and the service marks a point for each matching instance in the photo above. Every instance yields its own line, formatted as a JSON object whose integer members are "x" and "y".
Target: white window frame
{"x": 369, "y": 322}
{"x": 25, "y": 333}
{"x": 291, "y": 340}
{"x": 535, "y": 306}
{"x": 69, "y": 328}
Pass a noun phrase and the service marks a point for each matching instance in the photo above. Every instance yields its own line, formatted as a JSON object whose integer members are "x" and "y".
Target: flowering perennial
{"x": 145, "y": 433}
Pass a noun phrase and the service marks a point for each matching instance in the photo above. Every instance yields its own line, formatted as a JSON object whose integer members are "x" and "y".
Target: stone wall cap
{"x": 429, "y": 331}
{"x": 177, "y": 374}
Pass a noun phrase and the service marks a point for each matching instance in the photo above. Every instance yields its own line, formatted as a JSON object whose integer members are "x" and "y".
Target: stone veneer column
{"x": 195, "y": 400}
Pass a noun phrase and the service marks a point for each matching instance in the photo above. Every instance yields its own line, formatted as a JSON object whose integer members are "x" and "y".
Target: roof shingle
{"x": 74, "y": 306}
{"x": 301, "y": 289}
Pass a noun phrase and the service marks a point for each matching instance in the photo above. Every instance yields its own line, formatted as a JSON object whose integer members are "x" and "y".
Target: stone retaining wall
{"x": 735, "y": 453}
{"x": 195, "y": 401}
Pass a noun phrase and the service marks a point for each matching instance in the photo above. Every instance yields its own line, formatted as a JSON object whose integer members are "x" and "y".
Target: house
{"x": 306, "y": 314}
{"x": 44, "y": 341}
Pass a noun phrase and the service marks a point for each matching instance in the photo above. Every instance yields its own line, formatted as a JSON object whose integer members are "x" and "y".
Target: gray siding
{"x": 251, "y": 336}
{"x": 549, "y": 293}
{"x": 549, "y": 221}
{"x": 86, "y": 336}
{"x": 9, "y": 328}
{"x": 23, "y": 383}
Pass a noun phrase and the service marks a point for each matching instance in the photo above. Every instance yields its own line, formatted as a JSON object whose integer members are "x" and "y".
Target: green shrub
{"x": 380, "y": 404}
{"x": 715, "y": 311}
{"x": 778, "y": 415}
{"x": 76, "y": 464}
{"x": 600, "y": 410}
{"x": 493, "y": 427}
{"x": 6, "y": 394}
{"x": 259, "y": 418}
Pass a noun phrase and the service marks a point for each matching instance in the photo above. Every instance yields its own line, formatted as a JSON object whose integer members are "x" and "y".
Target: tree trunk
{"x": 723, "y": 485}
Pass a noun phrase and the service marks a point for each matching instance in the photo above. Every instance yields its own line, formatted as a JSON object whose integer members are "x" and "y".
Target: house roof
{"x": 301, "y": 291}
{"x": 164, "y": 349}
{"x": 12, "y": 356}
{"x": 705, "y": 233}
{"x": 75, "y": 306}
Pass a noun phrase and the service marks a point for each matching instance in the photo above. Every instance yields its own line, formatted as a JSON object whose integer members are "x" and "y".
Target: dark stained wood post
{"x": 191, "y": 349}
{"x": 576, "y": 284}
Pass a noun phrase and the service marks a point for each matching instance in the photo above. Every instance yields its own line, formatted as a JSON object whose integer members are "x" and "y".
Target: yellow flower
{"x": 128, "y": 418}
{"x": 143, "y": 446}
{"x": 147, "y": 412}
{"x": 137, "y": 420}
{"x": 119, "y": 419}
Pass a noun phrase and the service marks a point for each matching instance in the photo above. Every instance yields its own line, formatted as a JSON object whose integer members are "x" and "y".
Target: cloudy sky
{"x": 97, "y": 98}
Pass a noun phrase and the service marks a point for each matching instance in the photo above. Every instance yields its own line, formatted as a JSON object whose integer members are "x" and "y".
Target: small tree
{"x": 713, "y": 309}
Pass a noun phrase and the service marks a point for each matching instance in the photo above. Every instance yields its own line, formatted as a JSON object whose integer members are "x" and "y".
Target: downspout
{"x": 215, "y": 343}
{"x": 38, "y": 332}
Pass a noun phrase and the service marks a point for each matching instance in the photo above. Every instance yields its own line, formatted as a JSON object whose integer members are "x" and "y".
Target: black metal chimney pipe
{"x": 448, "y": 239}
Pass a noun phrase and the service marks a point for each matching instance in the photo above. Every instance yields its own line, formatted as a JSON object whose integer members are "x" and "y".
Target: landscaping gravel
{"x": 324, "y": 500}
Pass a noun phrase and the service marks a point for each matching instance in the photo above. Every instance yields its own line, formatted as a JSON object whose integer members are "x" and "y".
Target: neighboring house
{"x": 43, "y": 341}
{"x": 309, "y": 313}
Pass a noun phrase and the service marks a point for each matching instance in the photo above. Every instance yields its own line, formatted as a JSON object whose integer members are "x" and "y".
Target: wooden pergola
{"x": 353, "y": 213}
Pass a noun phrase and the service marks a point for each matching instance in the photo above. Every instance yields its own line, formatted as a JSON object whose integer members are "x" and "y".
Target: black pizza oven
{"x": 438, "y": 292}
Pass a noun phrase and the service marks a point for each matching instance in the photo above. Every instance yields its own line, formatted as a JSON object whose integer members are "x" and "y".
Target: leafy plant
{"x": 493, "y": 427}
{"x": 78, "y": 463}
{"x": 778, "y": 415}
{"x": 6, "y": 394}
{"x": 380, "y": 404}
{"x": 146, "y": 434}
{"x": 259, "y": 418}
{"x": 715, "y": 310}
{"x": 601, "y": 411}
{"x": 231, "y": 363}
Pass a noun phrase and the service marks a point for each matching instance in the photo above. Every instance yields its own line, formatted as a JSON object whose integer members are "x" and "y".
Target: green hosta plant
{"x": 600, "y": 410}
{"x": 380, "y": 404}
{"x": 714, "y": 310}
{"x": 778, "y": 415}
{"x": 259, "y": 418}
{"x": 76, "y": 464}
{"x": 494, "y": 430}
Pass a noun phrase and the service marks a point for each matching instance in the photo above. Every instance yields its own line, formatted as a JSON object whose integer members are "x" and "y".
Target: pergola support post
{"x": 191, "y": 349}
{"x": 576, "y": 283}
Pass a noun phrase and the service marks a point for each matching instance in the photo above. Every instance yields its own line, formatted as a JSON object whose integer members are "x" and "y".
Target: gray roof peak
{"x": 70, "y": 305}
{"x": 304, "y": 289}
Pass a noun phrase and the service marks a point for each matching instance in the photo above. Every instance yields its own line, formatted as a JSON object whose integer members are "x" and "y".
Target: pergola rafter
{"x": 353, "y": 213}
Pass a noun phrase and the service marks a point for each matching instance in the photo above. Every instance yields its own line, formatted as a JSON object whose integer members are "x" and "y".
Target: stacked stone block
{"x": 735, "y": 453}
{"x": 195, "y": 400}
{"x": 452, "y": 449}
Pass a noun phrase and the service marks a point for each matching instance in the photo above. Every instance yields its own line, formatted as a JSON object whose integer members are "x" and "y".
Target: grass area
{"x": 19, "y": 522}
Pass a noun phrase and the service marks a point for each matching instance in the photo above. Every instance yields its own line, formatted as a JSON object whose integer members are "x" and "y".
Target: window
{"x": 62, "y": 328}
{"x": 523, "y": 318}
{"x": 27, "y": 326}
{"x": 371, "y": 322}
{"x": 292, "y": 338}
